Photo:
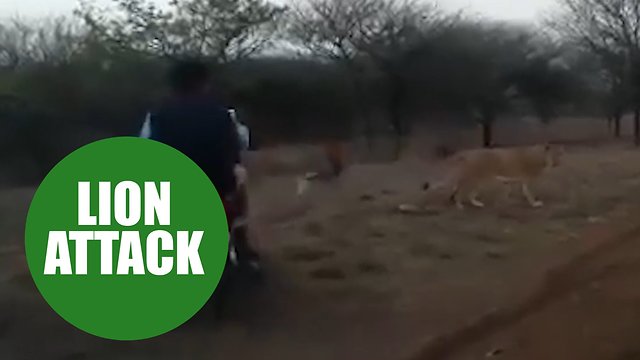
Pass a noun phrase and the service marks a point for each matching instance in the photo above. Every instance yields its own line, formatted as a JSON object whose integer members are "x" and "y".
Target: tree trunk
{"x": 361, "y": 112}
{"x": 395, "y": 113}
{"x": 487, "y": 133}
{"x": 617, "y": 119}
{"x": 636, "y": 126}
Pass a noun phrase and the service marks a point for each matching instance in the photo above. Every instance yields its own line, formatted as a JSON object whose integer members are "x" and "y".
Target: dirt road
{"x": 591, "y": 310}
{"x": 350, "y": 277}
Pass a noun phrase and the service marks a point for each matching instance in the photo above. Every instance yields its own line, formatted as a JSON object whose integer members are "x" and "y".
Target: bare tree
{"x": 619, "y": 88}
{"x": 329, "y": 30}
{"x": 468, "y": 69}
{"x": 53, "y": 41}
{"x": 546, "y": 78}
{"x": 225, "y": 30}
{"x": 136, "y": 25}
{"x": 399, "y": 26}
{"x": 14, "y": 43}
{"x": 57, "y": 40}
{"x": 611, "y": 30}
{"x": 359, "y": 32}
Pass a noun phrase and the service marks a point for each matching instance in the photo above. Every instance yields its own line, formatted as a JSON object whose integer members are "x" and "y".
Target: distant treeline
{"x": 319, "y": 69}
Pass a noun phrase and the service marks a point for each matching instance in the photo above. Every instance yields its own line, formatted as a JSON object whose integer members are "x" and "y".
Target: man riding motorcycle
{"x": 240, "y": 231}
{"x": 191, "y": 121}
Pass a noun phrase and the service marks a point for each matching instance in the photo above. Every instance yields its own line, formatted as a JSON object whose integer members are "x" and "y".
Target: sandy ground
{"x": 349, "y": 277}
{"x": 593, "y": 312}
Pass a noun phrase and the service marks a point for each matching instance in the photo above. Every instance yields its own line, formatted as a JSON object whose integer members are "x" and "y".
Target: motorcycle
{"x": 239, "y": 267}
{"x": 236, "y": 208}
{"x": 231, "y": 269}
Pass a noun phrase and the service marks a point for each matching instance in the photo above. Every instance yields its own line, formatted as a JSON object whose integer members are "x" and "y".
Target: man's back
{"x": 201, "y": 129}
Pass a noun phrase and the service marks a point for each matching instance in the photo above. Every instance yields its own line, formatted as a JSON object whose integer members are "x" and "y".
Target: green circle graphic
{"x": 127, "y": 305}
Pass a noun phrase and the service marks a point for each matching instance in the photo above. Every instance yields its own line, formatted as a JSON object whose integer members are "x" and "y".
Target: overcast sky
{"x": 521, "y": 10}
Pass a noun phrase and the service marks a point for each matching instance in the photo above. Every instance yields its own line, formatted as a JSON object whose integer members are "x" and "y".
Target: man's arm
{"x": 232, "y": 139}
{"x": 241, "y": 129}
{"x": 233, "y": 148}
{"x": 245, "y": 137}
{"x": 145, "y": 133}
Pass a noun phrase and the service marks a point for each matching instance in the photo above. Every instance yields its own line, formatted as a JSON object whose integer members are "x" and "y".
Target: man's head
{"x": 189, "y": 77}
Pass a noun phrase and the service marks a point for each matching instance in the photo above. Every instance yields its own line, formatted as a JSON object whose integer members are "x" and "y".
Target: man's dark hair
{"x": 188, "y": 76}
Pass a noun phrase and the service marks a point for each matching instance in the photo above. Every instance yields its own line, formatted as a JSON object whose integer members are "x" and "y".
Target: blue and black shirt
{"x": 204, "y": 131}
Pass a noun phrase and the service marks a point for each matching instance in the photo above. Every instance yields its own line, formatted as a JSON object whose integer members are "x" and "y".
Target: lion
{"x": 308, "y": 163}
{"x": 521, "y": 165}
{"x": 335, "y": 156}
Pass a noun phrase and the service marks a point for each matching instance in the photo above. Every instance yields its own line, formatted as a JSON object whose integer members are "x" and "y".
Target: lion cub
{"x": 473, "y": 168}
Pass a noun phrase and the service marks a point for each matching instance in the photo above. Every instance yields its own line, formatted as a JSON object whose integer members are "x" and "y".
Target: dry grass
{"x": 346, "y": 269}
{"x": 356, "y": 220}
{"x": 436, "y": 270}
